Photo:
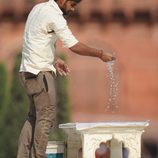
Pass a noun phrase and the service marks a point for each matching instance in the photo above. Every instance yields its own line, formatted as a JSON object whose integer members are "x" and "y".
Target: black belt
{"x": 29, "y": 75}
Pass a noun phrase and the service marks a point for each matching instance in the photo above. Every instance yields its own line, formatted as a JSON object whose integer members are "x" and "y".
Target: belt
{"x": 29, "y": 75}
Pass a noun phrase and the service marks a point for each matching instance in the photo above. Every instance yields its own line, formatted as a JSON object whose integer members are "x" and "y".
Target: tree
{"x": 14, "y": 116}
{"x": 4, "y": 93}
{"x": 4, "y": 102}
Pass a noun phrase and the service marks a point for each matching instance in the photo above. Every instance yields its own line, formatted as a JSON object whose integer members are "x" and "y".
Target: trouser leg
{"x": 45, "y": 105}
{"x": 26, "y": 136}
{"x": 34, "y": 135}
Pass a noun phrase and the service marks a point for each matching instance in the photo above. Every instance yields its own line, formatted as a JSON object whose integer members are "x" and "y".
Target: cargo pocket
{"x": 33, "y": 86}
{"x": 42, "y": 103}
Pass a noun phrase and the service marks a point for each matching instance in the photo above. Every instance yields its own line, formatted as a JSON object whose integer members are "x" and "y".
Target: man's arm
{"x": 83, "y": 49}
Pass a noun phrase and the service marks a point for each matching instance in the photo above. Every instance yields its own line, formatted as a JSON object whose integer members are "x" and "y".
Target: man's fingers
{"x": 107, "y": 57}
{"x": 62, "y": 69}
{"x": 113, "y": 58}
{"x": 62, "y": 72}
{"x": 67, "y": 69}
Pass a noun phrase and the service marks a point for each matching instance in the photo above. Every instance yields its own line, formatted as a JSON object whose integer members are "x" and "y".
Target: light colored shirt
{"x": 45, "y": 24}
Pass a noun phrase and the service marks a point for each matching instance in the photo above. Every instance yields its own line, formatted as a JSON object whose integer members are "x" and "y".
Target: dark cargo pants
{"x": 41, "y": 117}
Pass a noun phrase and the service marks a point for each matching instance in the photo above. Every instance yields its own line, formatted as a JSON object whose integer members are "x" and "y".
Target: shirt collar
{"x": 55, "y": 5}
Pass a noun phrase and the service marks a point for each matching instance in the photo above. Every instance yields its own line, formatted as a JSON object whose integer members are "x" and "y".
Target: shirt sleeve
{"x": 59, "y": 25}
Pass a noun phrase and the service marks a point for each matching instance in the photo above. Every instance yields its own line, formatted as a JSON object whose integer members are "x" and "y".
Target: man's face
{"x": 68, "y": 7}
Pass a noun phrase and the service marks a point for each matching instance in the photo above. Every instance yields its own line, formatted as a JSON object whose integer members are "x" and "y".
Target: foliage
{"x": 4, "y": 93}
{"x": 14, "y": 115}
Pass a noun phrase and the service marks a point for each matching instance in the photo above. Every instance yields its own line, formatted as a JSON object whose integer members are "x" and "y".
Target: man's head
{"x": 67, "y": 6}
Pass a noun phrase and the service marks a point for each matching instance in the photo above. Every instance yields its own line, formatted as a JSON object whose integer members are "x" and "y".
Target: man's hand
{"x": 61, "y": 67}
{"x": 83, "y": 49}
{"x": 105, "y": 56}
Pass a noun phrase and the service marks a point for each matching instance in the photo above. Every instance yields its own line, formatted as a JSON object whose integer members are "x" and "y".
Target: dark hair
{"x": 77, "y": 1}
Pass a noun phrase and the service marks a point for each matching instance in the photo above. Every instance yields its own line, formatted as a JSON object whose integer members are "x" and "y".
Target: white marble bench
{"x": 87, "y": 137}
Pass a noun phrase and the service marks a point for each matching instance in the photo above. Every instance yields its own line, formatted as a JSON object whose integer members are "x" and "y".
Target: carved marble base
{"x": 88, "y": 137}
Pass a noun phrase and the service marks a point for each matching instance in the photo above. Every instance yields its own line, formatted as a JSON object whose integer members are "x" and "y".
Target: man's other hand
{"x": 61, "y": 67}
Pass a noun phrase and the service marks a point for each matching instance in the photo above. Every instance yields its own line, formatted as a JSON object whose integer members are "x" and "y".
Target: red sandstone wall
{"x": 137, "y": 62}
{"x": 136, "y": 51}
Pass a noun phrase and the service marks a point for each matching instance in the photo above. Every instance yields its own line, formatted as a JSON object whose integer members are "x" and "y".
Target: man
{"x": 44, "y": 25}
